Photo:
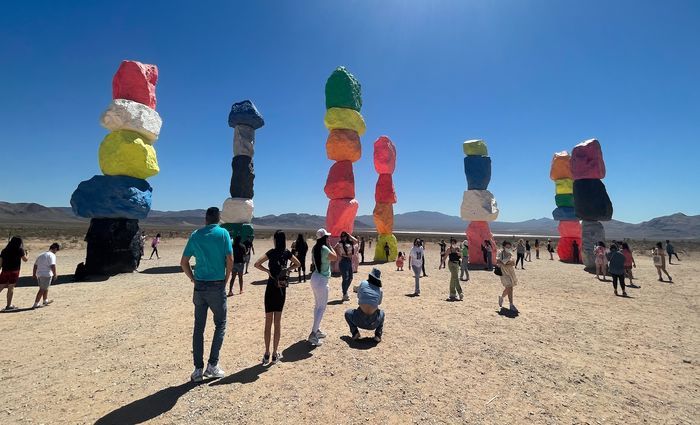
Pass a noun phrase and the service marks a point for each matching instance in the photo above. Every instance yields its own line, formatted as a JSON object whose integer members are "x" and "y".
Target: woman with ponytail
{"x": 322, "y": 255}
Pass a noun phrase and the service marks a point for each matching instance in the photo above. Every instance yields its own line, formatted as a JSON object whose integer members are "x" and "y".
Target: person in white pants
{"x": 321, "y": 256}
{"x": 415, "y": 263}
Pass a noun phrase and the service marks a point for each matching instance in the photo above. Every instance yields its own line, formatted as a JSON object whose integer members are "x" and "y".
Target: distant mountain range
{"x": 676, "y": 226}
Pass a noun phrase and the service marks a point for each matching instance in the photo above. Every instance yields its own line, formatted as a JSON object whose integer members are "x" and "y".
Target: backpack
{"x": 282, "y": 278}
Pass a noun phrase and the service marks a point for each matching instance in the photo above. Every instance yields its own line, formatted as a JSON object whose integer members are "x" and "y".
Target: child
{"x": 399, "y": 262}
{"x": 629, "y": 263}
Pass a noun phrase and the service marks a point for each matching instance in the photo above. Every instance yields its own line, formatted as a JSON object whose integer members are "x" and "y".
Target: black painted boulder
{"x": 245, "y": 113}
{"x": 242, "y": 177}
{"x": 591, "y": 200}
{"x": 113, "y": 247}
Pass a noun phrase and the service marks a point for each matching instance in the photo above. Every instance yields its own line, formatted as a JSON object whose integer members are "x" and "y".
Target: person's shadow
{"x": 300, "y": 350}
{"x": 245, "y": 376}
{"x": 506, "y": 312}
{"x": 147, "y": 408}
{"x": 360, "y": 344}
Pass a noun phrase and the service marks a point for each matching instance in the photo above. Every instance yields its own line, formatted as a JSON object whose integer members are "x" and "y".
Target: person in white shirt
{"x": 45, "y": 273}
{"x": 415, "y": 263}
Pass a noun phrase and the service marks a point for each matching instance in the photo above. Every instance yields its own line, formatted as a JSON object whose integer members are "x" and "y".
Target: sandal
{"x": 266, "y": 360}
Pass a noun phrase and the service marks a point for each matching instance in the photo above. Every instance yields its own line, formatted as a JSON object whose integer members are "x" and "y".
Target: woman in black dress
{"x": 275, "y": 291}
{"x": 299, "y": 251}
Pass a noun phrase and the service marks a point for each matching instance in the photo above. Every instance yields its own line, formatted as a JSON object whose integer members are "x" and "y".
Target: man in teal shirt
{"x": 213, "y": 252}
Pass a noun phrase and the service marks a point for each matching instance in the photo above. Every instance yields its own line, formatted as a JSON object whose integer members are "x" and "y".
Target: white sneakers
{"x": 346, "y": 297}
{"x": 320, "y": 334}
{"x": 315, "y": 338}
{"x": 214, "y": 371}
{"x": 197, "y": 375}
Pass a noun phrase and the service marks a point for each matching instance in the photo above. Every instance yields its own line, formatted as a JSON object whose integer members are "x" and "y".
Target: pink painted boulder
{"x": 340, "y": 216}
{"x": 477, "y": 233}
{"x": 384, "y": 191}
{"x": 566, "y": 251}
{"x": 136, "y": 81}
{"x": 384, "y": 156}
{"x": 587, "y": 161}
{"x": 569, "y": 229}
{"x": 341, "y": 181}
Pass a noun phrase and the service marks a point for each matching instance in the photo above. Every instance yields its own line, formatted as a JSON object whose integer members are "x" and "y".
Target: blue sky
{"x": 529, "y": 77}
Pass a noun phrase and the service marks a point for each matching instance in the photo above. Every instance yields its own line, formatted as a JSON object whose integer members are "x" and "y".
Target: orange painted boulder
{"x": 384, "y": 218}
{"x": 341, "y": 181}
{"x": 384, "y": 191}
{"x": 384, "y": 156}
{"x": 343, "y": 145}
{"x": 136, "y": 81}
{"x": 561, "y": 166}
{"x": 340, "y": 216}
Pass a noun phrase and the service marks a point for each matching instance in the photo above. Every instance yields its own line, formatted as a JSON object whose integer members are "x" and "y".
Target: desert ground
{"x": 118, "y": 351}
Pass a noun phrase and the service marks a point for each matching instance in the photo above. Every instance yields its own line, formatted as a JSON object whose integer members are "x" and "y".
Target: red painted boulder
{"x": 136, "y": 81}
{"x": 384, "y": 156}
{"x": 477, "y": 233}
{"x": 340, "y": 216}
{"x": 561, "y": 166}
{"x": 569, "y": 229}
{"x": 587, "y": 161}
{"x": 384, "y": 191}
{"x": 341, "y": 181}
{"x": 569, "y": 249}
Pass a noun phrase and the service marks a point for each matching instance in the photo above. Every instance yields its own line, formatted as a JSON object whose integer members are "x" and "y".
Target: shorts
{"x": 9, "y": 277}
{"x": 247, "y": 258}
{"x": 44, "y": 282}
{"x": 238, "y": 267}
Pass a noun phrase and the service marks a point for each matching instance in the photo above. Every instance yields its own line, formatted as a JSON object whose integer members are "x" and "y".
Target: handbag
{"x": 497, "y": 271}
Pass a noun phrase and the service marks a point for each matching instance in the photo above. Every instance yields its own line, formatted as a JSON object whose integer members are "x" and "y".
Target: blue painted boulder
{"x": 112, "y": 197}
{"x": 592, "y": 201}
{"x": 478, "y": 171}
{"x": 245, "y": 113}
{"x": 564, "y": 214}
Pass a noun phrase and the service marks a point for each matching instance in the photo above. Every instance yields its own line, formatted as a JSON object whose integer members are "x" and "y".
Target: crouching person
{"x": 368, "y": 315}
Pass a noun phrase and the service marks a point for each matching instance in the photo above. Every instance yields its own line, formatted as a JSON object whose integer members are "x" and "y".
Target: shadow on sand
{"x": 505, "y": 312}
{"x": 147, "y": 408}
{"x": 162, "y": 270}
{"x": 300, "y": 350}
{"x": 245, "y": 376}
{"x": 360, "y": 344}
{"x": 335, "y": 302}
{"x": 26, "y": 281}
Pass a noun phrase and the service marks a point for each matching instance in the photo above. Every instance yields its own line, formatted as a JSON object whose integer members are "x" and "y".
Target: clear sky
{"x": 529, "y": 77}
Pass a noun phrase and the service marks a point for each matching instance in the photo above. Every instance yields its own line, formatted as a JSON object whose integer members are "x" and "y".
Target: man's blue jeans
{"x": 208, "y": 295}
{"x": 357, "y": 319}
{"x": 345, "y": 267}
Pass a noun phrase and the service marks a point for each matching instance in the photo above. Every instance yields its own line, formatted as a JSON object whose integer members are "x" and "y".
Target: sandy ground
{"x": 119, "y": 351}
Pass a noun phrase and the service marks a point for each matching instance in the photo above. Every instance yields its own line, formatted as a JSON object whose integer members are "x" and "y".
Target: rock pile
{"x": 237, "y": 211}
{"x": 116, "y": 201}
{"x": 569, "y": 226}
{"x": 478, "y": 204}
{"x": 385, "y": 198}
{"x": 592, "y": 203}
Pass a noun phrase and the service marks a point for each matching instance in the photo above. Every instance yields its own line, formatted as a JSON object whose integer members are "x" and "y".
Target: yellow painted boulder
{"x": 564, "y": 186}
{"x": 345, "y": 118}
{"x": 126, "y": 153}
{"x": 380, "y": 251}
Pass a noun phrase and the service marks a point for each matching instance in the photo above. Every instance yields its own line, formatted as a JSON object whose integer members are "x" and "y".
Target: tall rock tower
{"x": 116, "y": 201}
{"x": 385, "y": 198}
{"x": 569, "y": 226}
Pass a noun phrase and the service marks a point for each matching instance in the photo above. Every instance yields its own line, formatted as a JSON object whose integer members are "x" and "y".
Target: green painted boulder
{"x": 244, "y": 230}
{"x": 343, "y": 90}
{"x": 564, "y": 200}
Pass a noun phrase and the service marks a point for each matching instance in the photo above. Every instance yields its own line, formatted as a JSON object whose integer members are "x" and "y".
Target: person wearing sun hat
{"x": 368, "y": 315}
{"x": 321, "y": 257}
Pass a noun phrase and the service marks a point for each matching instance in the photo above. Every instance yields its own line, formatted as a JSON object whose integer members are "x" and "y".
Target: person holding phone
{"x": 321, "y": 258}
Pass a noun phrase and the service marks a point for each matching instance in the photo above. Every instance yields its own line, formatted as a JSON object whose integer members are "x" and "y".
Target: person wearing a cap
{"x": 213, "y": 251}
{"x": 368, "y": 315}
{"x": 464, "y": 267}
{"x": 45, "y": 274}
{"x": 321, "y": 257}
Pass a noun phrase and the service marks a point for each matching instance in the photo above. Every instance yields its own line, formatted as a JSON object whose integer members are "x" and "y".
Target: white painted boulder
{"x": 479, "y": 205}
{"x": 123, "y": 114}
{"x": 237, "y": 210}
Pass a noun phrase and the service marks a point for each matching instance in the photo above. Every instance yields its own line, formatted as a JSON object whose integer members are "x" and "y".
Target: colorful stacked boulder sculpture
{"x": 569, "y": 226}
{"x": 116, "y": 201}
{"x": 237, "y": 211}
{"x": 591, "y": 201}
{"x": 346, "y": 125}
{"x": 385, "y": 198}
{"x": 478, "y": 204}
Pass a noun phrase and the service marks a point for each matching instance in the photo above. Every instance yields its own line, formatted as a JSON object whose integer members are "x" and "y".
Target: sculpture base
{"x": 113, "y": 247}
{"x": 592, "y": 232}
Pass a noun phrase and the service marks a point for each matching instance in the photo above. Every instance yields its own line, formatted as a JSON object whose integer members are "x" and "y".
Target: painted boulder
{"x": 124, "y": 153}
{"x": 343, "y": 118}
{"x": 243, "y": 140}
{"x": 587, "y": 161}
{"x": 564, "y": 200}
{"x": 244, "y": 230}
{"x": 561, "y": 166}
{"x": 569, "y": 229}
{"x": 384, "y": 190}
{"x": 343, "y": 90}
{"x": 475, "y": 148}
{"x": 341, "y": 181}
{"x": 242, "y": 177}
{"x": 477, "y": 233}
{"x": 123, "y": 114}
{"x": 478, "y": 172}
{"x": 340, "y": 216}
{"x": 384, "y": 218}
{"x": 237, "y": 210}
{"x": 245, "y": 113}
{"x": 343, "y": 145}
{"x": 136, "y": 81}
{"x": 569, "y": 249}
{"x": 564, "y": 214}
{"x": 112, "y": 197}
{"x": 479, "y": 205}
{"x": 384, "y": 156}
{"x": 113, "y": 247}
{"x": 380, "y": 250}
{"x": 592, "y": 200}
{"x": 591, "y": 233}
{"x": 564, "y": 186}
